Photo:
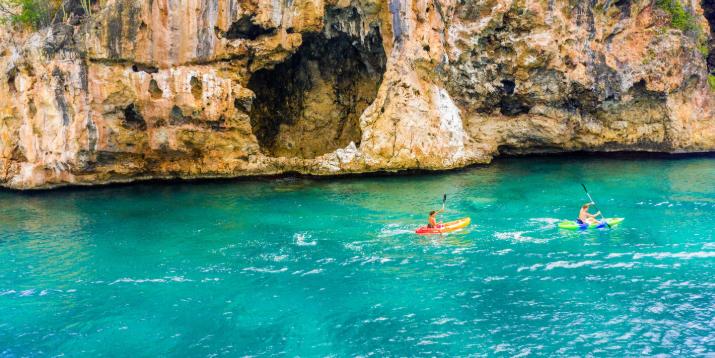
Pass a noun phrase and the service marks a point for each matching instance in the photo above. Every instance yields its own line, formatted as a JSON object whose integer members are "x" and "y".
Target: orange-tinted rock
{"x": 224, "y": 88}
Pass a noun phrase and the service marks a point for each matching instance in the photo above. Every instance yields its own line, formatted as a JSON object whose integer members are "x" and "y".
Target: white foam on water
{"x": 533, "y": 267}
{"x": 394, "y": 230}
{"x": 355, "y": 246}
{"x": 179, "y": 279}
{"x": 569, "y": 264}
{"x": 518, "y": 236}
{"x": 676, "y": 255}
{"x": 438, "y": 336}
{"x": 443, "y": 321}
{"x": 300, "y": 239}
{"x": 378, "y": 319}
{"x": 618, "y": 254}
{"x": 621, "y": 265}
{"x": 265, "y": 270}
{"x": 142, "y": 280}
{"x": 371, "y": 259}
{"x": 503, "y": 252}
{"x": 312, "y": 272}
{"x": 657, "y": 308}
{"x": 495, "y": 278}
{"x": 547, "y": 223}
{"x": 7, "y": 292}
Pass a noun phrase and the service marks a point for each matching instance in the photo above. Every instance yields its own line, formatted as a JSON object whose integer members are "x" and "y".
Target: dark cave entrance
{"x": 311, "y": 104}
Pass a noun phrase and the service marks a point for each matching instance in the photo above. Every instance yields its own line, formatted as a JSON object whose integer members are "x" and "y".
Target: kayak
{"x": 444, "y": 228}
{"x": 572, "y": 225}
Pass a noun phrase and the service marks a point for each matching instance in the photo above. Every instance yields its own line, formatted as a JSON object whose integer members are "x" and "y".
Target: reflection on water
{"x": 314, "y": 267}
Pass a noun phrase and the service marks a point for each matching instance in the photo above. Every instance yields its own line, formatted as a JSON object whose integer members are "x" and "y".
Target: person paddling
{"x": 584, "y": 217}
{"x": 432, "y": 223}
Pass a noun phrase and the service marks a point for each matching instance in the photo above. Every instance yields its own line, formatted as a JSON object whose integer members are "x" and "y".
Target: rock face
{"x": 223, "y": 88}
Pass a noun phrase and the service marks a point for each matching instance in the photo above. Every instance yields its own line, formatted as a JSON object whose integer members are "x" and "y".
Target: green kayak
{"x": 572, "y": 225}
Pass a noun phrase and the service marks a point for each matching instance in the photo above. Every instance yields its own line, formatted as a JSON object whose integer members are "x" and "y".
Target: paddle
{"x": 594, "y": 205}
{"x": 444, "y": 200}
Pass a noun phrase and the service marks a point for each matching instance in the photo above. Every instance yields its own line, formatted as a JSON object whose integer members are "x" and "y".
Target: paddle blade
{"x": 444, "y": 199}
{"x": 584, "y": 188}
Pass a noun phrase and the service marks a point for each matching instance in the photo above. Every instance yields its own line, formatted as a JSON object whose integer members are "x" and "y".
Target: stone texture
{"x": 224, "y": 88}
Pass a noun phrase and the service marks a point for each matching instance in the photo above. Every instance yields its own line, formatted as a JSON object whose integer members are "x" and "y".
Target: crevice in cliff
{"x": 709, "y": 12}
{"x": 246, "y": 28}
{"x": 311, "y": 104}
{"x": 11, "y": 75}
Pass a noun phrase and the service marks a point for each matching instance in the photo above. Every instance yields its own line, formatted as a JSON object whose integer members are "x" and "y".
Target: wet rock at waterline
{"x": 219, "y": 88}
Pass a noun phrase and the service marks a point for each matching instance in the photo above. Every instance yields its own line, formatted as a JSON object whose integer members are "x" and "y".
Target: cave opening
{"x": 311, "y": 104}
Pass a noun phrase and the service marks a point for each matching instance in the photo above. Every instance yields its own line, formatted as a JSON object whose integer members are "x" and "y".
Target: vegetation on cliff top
{"x": 40, "y": 13}
{"x": 683, "y": 20}
{"x": 680, "y": 18}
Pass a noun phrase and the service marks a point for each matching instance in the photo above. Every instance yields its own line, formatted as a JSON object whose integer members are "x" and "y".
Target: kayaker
{"x": 584, "y": 217}
{"x": 433, "y": 218}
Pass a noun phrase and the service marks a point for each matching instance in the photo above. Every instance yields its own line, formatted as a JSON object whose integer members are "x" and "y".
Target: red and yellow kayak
{"x": 444, "y": 228}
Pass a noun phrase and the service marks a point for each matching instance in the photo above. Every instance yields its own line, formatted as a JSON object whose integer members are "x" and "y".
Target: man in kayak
{"x": 584, "y": 217}
{"x": 433, "y": 218}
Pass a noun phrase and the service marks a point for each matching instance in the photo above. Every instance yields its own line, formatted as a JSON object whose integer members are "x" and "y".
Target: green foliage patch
{"x": 31, "y": 13}
{"x": 680, "y": 18}
{"x": 40, "y": 13}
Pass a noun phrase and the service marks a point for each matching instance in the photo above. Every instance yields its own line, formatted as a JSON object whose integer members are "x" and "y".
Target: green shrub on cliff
{"x": 711, "y": 82}
{"x": 33, "y": 13}
{"x": 40, "y": 13}
{"x": 680, "y": 18}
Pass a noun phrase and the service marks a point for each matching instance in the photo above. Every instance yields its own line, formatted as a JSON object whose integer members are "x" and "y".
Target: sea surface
{"x": 331, "y": 267}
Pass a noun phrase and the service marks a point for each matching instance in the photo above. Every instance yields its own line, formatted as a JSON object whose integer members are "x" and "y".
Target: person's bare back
{"x": 432, "y": 222}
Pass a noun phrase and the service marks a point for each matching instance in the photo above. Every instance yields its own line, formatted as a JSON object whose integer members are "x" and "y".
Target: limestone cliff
{"x": 223, "y": 88}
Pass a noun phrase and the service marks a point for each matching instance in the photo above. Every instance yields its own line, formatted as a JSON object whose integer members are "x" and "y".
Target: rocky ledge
{"x": 226, "y": 88}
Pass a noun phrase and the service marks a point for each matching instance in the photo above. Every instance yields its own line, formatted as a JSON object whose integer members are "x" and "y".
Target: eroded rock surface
{"x": 223, "y": 88}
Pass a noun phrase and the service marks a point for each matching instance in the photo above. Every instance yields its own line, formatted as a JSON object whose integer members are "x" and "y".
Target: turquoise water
{"x": 306, "y": 267}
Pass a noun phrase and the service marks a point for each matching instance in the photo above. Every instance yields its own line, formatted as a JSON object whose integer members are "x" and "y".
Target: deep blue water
{"x": 304, "y": 267}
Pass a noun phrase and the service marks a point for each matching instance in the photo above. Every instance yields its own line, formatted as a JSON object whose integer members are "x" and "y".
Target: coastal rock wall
{"x": 223, "y": 88}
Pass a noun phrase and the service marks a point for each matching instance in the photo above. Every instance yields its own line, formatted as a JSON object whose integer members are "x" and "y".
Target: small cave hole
{"x": 137, "y": 67}
{"x": 197, "y": 89}
{"x": 509, "y": 86}
{"x": 246, "y": 28}
{"x": 311, "y": 104}
{"x": 11, "y": 76}
{"x": 513, "y": 106}
{"x": 132, "y": 118}
{"x": 177, "y": 116}
{"x": 154, "y": 90}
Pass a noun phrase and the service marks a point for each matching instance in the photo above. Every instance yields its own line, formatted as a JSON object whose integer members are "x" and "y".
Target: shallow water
{"x": 318, "y": 267}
